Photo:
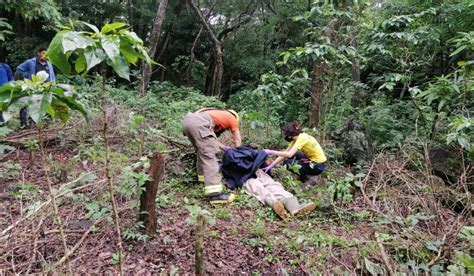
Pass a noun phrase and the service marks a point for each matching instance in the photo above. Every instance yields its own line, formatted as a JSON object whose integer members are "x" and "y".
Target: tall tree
{"x": 214, "y": 88}
{"x": 154, "y": 37}
{"x": 318, "y": 79}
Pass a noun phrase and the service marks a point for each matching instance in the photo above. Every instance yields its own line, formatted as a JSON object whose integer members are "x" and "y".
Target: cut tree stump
{"x": 148, "y": 197}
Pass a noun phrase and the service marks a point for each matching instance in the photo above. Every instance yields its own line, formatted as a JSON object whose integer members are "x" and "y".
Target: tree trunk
{"x": 316, "y": 91}
{"x": 357, "y": 98}
{"x": 317, "y": 75}
{"x": 148, "y": 197}
{"x": 189, "y": 70}
{"x": 154, "y": 36}
{"x": 213, "y": 88}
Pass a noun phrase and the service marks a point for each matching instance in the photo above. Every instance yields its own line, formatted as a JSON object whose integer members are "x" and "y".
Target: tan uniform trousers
{"x": 198, "y": 127}
{"x": 265, "y": 189}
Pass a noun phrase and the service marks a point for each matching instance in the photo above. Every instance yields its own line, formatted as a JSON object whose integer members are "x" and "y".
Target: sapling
{"x": 42, "y": 98}
{"x": 113, "y": 45}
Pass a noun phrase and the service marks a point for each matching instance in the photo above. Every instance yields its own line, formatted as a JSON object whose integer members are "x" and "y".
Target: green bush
{"x": 390, "y": 122}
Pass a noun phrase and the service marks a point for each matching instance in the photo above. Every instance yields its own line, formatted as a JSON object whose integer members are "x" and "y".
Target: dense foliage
{"x": 385, "y": 86}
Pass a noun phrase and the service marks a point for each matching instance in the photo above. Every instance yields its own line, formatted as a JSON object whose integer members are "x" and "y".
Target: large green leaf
{"x": 126, "y": 49}
{"x": 38, "y": 107}
{"x": 121, "y": 67}
{"x": 57, "y": 56}
{"x": 74, "y": 40}
{"x": 132, "y": 37}
{"x": 93, "y": 27}
{"x": 61, "y": 110}
{"x": 72, "y": 104}
{"x": 93, "y": 56}
{"x": 107, "y": 28}
{"x": 80, "y": 65}
{"x": 111, "y": 46}
{"x": 8, "y": 90}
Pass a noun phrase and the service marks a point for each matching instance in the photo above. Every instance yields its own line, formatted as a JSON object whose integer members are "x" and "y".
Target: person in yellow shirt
{"x": 303, "y": 150}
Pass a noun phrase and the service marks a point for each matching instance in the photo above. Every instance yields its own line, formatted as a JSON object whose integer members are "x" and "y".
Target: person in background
{"x": 6, "y": 75}
{"x": 32, "y": 67}
{"x": 202, "y": 128}
{"x": 303, "y": 150}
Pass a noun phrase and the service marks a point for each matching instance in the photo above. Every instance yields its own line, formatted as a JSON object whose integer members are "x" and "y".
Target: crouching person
{"x": 271, "y": 193}
{"x": 202, "y": 128}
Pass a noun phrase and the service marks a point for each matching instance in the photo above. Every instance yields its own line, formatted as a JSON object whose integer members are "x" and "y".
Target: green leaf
{"x": 56, "y": 55}
{"x": 468, "y": 262}
{"x": 93, "y": 57}
{"x": 128, "y": 52}
{"x": 4, "y": 131}
{"x": 133, "y": 38}
{"x": 121, "y": 67}
{"x": 72, "y": 104}
{"x": 80, "y": 65}
{"x": 112, "y": 27}
{"x": 434, "y": 245}
{"x": 93, "y": 27}
{"x": 73, "y": 40}
{"x": 50, "y": 111}
{"x": 61, "y": 110}
{"x": 373, "y": 268}
{"x": 458, "y": 50}
{"x": 37, "y": 109}
{"x": 111, "y": 46}
{"x": 5, "y": 148}
{"x": 463, "y": 142}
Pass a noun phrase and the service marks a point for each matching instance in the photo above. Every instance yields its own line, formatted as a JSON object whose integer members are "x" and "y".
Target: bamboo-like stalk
{"x": 107, "y": 170}
{"x": 199, "y": 248}
{"x": 53, "y": 198}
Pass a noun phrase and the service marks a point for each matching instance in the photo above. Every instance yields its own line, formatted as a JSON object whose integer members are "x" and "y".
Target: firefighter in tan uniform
{"x": 202, "y": 127}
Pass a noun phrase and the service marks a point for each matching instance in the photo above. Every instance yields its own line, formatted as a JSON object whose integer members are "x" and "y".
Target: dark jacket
{"x": 240, "y": 164}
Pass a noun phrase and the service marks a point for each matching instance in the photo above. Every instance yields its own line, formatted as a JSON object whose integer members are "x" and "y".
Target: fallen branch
{"x": 35, "y": 247}
{"x": 5, "y": 156}
{"x": 173, "y": 141}
{"x": 385, "y": 257}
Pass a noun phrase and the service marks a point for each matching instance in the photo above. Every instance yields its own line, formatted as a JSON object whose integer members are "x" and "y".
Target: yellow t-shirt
{"x": 309, "y": 146}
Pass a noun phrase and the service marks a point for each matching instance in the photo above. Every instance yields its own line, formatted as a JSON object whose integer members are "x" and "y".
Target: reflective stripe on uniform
{"x": 213, "y": 189}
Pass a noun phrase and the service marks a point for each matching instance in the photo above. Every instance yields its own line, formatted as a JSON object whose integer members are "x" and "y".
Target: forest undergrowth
{"x": 384, "y": 86}
{"x": 389, "y": 216}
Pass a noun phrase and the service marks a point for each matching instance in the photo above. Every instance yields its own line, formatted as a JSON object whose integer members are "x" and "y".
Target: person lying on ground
{"x": 303, "y": 150}
{"x": 272, "y": 193}
{"x": 241, "y": 168}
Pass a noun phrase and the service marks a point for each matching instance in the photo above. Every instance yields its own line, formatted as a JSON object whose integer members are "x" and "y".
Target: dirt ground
{"x": 246, "y": 238}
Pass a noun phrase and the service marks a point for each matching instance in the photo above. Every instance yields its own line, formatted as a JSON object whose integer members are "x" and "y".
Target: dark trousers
{"x": 307, "y": 167}
{"x": 23, "y": 117}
